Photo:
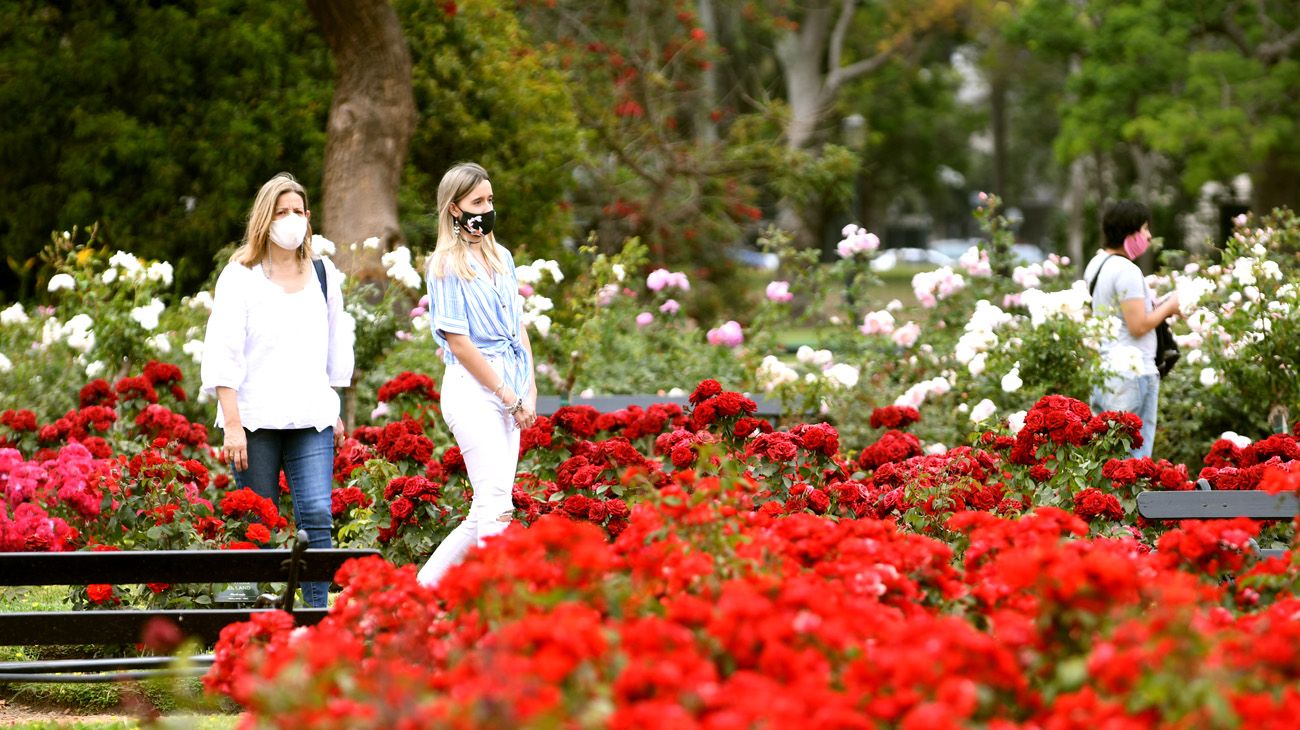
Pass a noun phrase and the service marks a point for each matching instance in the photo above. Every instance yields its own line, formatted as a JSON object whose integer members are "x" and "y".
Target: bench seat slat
{"x": 101, "y": 664}
{"x": 43, "y": 628}
{"x": 166, "y": 566}
{"x": 1217, "y": 504}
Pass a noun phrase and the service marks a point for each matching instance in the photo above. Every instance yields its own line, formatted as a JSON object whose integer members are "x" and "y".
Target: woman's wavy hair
{"x": 262, "y": 214}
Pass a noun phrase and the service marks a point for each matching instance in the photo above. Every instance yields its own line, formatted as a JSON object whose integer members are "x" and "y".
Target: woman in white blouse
{"x": 278, "y": 343}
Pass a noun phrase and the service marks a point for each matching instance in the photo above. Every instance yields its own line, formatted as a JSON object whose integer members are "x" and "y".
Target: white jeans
{"x": 489, "y": 442}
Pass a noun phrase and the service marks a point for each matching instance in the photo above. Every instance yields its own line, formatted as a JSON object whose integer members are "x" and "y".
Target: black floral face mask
{"x": 477, "y": 224}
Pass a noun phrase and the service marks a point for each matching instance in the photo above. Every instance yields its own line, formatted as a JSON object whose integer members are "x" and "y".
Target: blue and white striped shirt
{"x": 487, "y": 313}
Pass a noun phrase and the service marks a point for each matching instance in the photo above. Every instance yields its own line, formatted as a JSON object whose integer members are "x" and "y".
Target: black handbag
{"x": 1167, "y": 353}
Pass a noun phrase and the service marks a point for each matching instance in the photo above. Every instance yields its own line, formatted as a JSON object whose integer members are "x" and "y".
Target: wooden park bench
{"x": 125, "y": 625}
{"x": 547, "y": 405}
{"x": 1204, "y": 503}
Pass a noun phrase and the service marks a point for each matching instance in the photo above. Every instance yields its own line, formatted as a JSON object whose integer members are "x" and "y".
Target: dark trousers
{"x": 307, "y": 458}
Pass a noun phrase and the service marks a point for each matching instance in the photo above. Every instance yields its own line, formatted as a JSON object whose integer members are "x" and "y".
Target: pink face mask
{"x": 1137, "y": 243}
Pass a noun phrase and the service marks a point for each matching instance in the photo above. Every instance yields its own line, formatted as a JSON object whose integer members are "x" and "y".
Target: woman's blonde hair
{"x": 452, "y": 253}
{"x": 261, "y": 216}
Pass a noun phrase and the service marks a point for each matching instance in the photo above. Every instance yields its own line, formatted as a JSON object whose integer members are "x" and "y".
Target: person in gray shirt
{"x": 1119, "y": 290}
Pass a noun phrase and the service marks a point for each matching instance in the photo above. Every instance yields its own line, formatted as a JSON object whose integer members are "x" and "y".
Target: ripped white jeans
{"x": 489, "y": 441}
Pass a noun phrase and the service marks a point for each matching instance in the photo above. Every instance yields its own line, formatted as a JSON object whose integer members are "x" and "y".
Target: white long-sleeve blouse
{"x": 282, "y": 353}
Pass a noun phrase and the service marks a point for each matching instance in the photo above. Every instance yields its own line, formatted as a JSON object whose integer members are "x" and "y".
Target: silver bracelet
{"x": 517, "y": 407}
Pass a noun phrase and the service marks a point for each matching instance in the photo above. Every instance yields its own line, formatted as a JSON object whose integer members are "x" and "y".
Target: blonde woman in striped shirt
{"x": 488, "y": 390}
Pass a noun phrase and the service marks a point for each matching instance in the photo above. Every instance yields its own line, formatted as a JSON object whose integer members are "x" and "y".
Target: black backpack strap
{"x": 1092, "y": 285}
{"x": 320, "y": 274}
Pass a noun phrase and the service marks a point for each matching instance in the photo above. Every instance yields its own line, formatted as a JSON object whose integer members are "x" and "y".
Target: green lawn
{"x": 105, "y": 705}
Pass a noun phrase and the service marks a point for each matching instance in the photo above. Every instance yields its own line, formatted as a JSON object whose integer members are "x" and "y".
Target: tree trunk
{"x": 370, "y": 126}
{"x": 1075, "y": 200}
{"x": 1277, "y": 182}
{"x": 802, "y": 54}
{"x": 998, "y": 123}
{"x": 706, "y": 129}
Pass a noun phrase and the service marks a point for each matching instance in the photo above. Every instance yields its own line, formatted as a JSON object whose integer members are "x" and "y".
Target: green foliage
{"x": 595, "y": 343}
{"x": 1203, "y": 82}
{"x": 168, "y": 117}
{"x": 485, "y": 94}
{"x": 158, "y": 120}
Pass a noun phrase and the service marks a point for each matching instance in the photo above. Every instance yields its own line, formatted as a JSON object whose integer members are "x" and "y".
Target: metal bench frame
{"x": 1205, "y": 503}
{"x": 124, "y": 625}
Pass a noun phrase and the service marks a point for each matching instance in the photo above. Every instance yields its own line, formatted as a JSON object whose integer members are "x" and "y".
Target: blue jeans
{"x": 1137, "y": 395}
{"x": 307, "y": 457}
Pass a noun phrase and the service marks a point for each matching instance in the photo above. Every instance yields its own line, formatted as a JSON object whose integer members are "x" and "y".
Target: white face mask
{"x": 289, "y": 231}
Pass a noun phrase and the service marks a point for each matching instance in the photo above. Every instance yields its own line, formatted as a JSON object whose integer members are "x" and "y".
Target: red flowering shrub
{"x": 579, "y": 421}
{"x": 891, "y": 447}
{"x": 97, "y": 393}
{"x": 894, "y": 417}
{"x": 136, "y": 388}
{"x": 245, "y": 502}
{"x": 1091, "y": 504}
{"x": 405, "y": 441}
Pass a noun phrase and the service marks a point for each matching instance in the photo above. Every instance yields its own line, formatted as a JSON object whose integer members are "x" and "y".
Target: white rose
{"x": 160, "y": 343}
{"x": 1011, "y": 382}
{"x": 193, "y": 348}
{"x": 978, "y": 363}
{"x": 1237, "y": 440}
{"x": 62, "y": 281}
{"x": 843, "y": 374}
{"x": 14, "y": 315}
{"x": 5, "y": 364}
{"x": 1209, "y": 377}
{"x": 1016, "y": 421}
{"x": 982, "y": 411}
{"x": 322, "y": 245}
{"x": 95, "y": 369}
{"x": 160, "y": 271}
{"x": 619, "y": 271}
{"x": 109, "y": 276}
{"x": 147, "y": 316}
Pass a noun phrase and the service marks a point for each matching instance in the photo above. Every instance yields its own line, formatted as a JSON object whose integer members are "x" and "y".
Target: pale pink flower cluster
{"x": 931, "y": 286}
{"x": 670, "y": 307}
{"x": 728, "y": 334}
{"x": 661, "y": 279}
{"x": 856, "y": 240}
{"x": 877, "y": 323}
{"x": 779, "y": 291}
{"x": 917, "y": 394}
{"x": 907, "y": 335}
{"x": 976, "y": 262}
{"x": 644, "y": 319}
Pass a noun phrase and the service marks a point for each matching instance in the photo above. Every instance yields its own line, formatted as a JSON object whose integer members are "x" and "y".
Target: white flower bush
{"x": 399, "y": 268}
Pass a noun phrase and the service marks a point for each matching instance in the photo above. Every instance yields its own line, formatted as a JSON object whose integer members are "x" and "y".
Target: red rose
{"x": 401, "y": 508}
{"x": 1092, "y": 503}
{"x": 818, "y": 501}
{"x": 258, "y": 534}
{"x": 101, "y": 593}
{"x": 704, "y": 391}
{"x": 576, "y": 506}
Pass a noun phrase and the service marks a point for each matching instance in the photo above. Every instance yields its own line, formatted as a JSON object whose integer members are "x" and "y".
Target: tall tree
{"x": 370, "y": 126}
{"x": 1186, "y": 91}
{"x": 159, "y": 120}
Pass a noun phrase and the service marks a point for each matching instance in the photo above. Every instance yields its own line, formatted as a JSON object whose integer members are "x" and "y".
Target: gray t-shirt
{"x": 1119, "y": 281}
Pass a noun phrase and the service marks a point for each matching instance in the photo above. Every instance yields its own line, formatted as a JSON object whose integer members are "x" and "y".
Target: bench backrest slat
{"x": 549, "y": 404}
{"x": 166, "y": 566}
{"x": 1217, "y": 504}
